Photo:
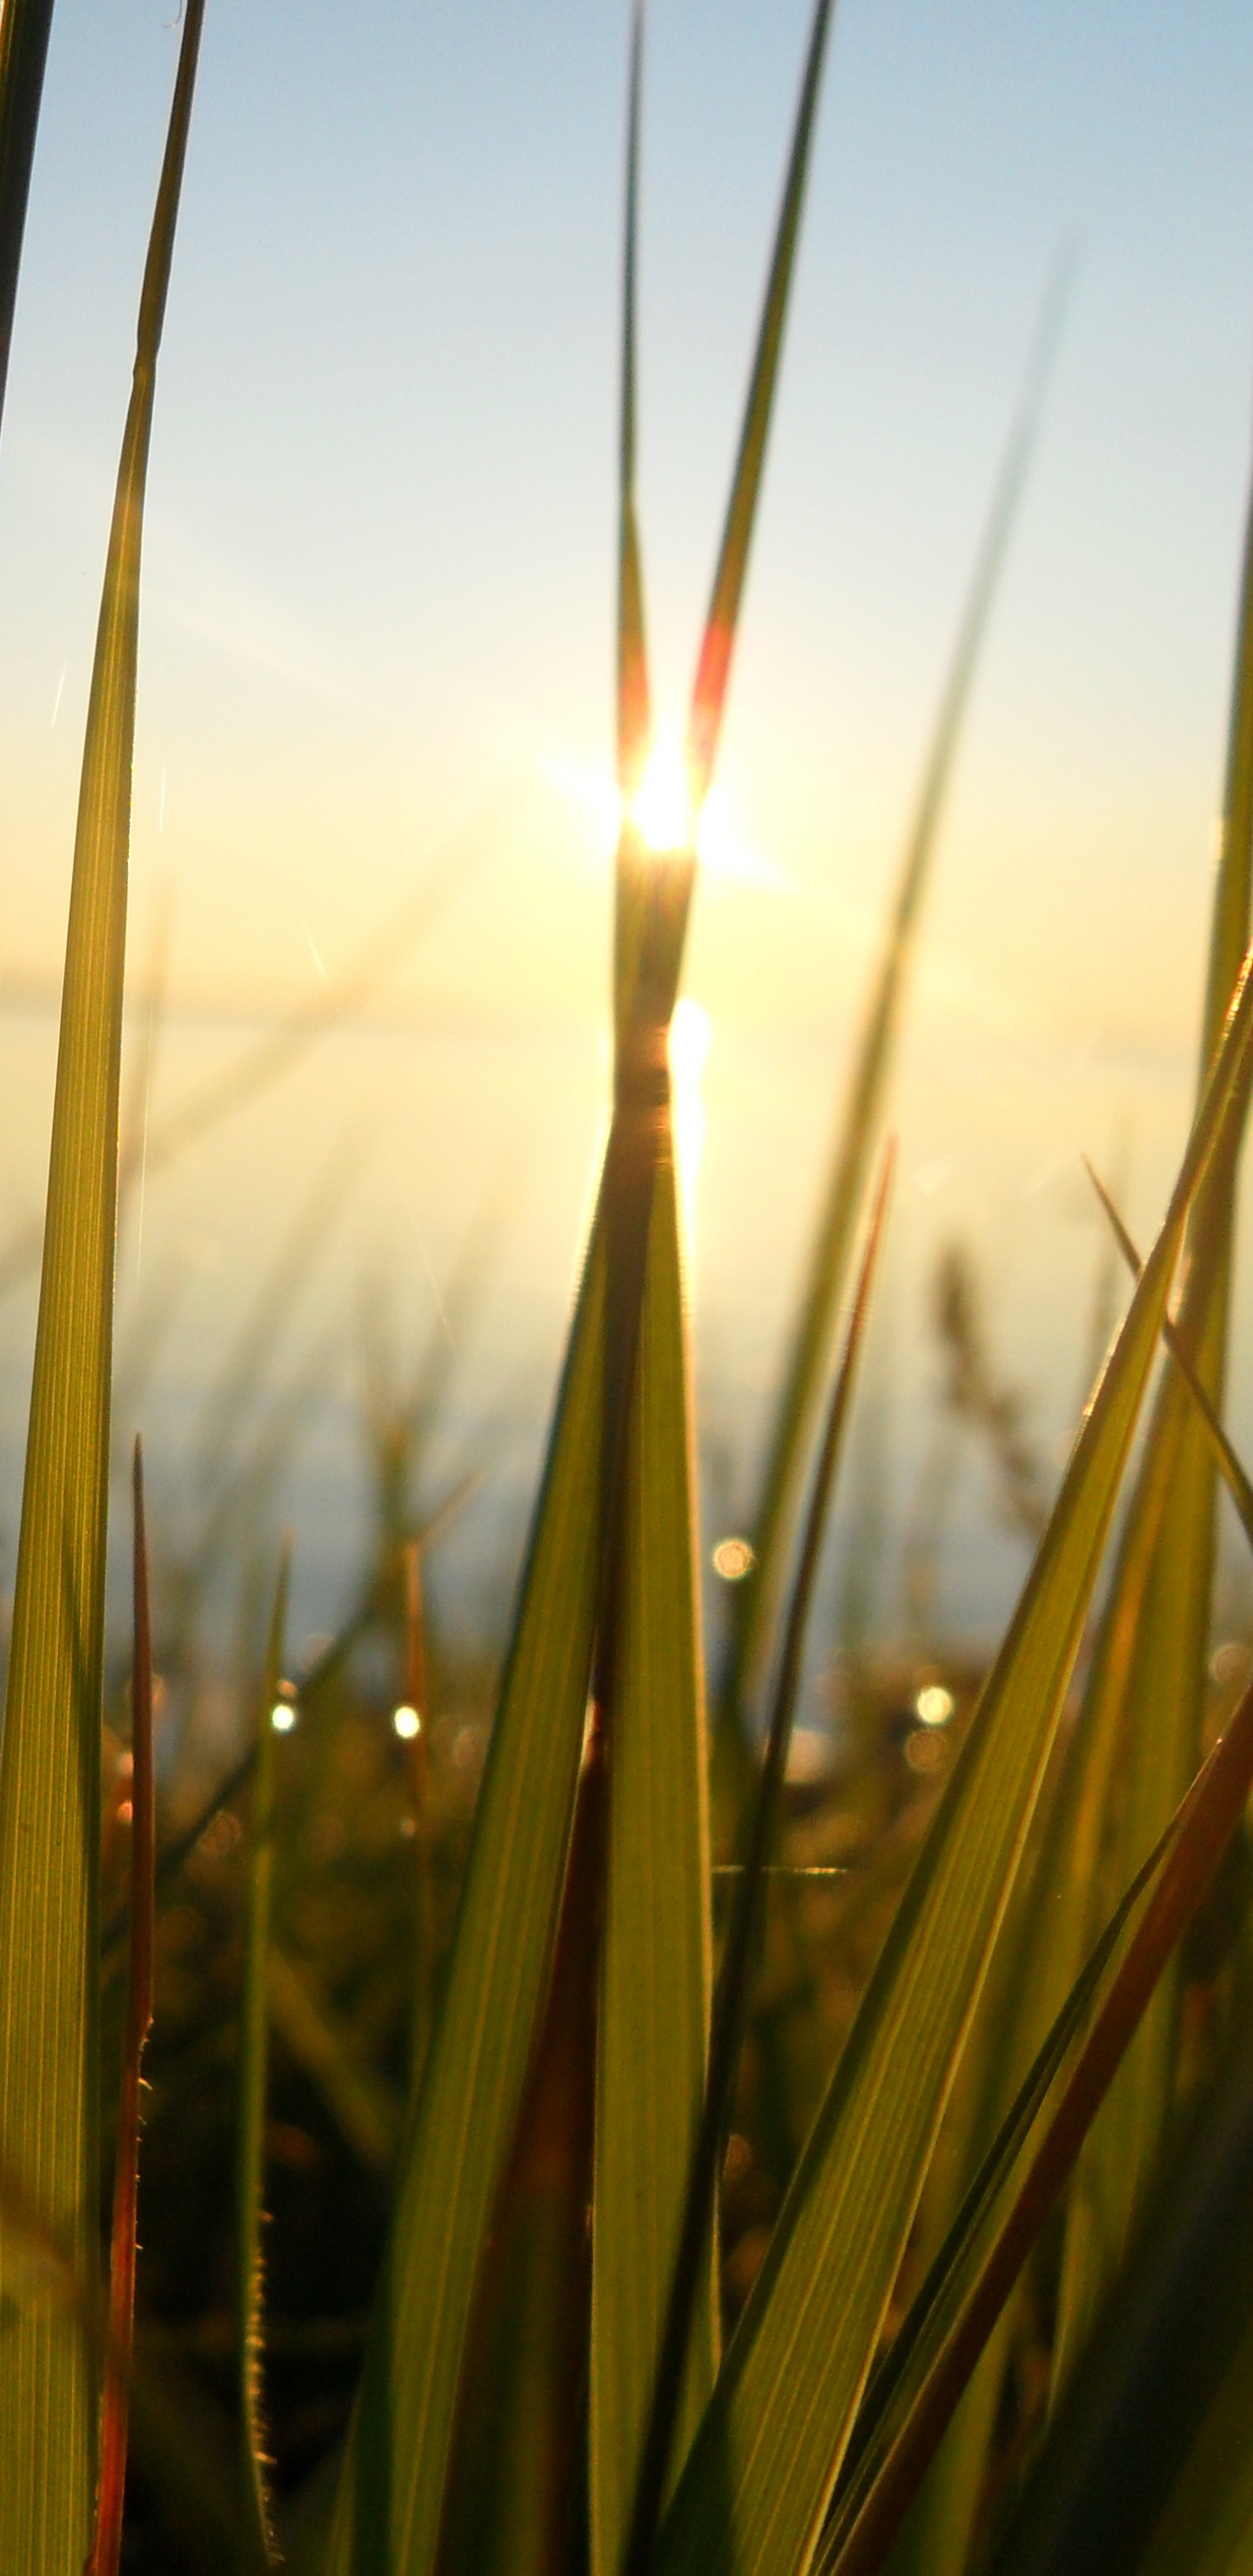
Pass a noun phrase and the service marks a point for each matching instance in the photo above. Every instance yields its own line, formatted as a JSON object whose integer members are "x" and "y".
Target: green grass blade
{"x": 930, "y": 2365}
{"x": 656, "y": 1963}
{"x": 50, "y": 1760}
{"x": 253, "y": 2073}
{"x": 389, "y": 2508}
{"x": 757, "y": 1598}
{"x": 764, "y": 2460}
{"x": 713, "y": 669}
{"x": 24, "y": 31}
{"x": 660, "y": 2452}
{"x": 1144, "y": 1707}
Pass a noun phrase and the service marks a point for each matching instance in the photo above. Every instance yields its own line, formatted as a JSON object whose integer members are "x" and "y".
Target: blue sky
{"x": 379, "y": 587}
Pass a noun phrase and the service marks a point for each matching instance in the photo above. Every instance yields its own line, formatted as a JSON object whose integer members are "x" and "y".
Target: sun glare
{"x": 661, "y": 808}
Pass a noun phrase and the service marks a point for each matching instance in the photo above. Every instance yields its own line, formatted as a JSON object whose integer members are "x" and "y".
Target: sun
{"x": 661, "y": 808}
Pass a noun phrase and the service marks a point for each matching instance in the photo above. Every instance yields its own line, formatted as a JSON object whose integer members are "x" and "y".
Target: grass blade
{"x": 757, "y": 1597}
{"x": 24, "y": 31}
{"x": 713, "y": 669}
{"x": 250, "y": 2113}
{"x": 1239, "y": 1484}
{"x": 656, "y": 1970}
{"x": 1144, "y": 1705}
{"x": 106, "y": 2548}
{"x": 954, "y": 2330}
{"x": 633, "y": 688}
{"x": 50, "y": 1759}
{"x": 743, "y": 1933}
{"x": 762, "y": 2466}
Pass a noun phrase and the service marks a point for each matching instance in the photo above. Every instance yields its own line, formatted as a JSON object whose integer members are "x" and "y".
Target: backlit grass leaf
{"x": 656, "y": 1966}
{"x": 758, "y": 1596}
{"x": 764, "y": 2461}
{"x": 1141, "y": 1722}
{"x": 50, "y": 1759}
{"x": 25, "y": 27}
{"x": 959, "y": 2302}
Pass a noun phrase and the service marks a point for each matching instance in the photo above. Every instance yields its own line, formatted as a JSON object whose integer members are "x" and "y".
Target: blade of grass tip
{"x": 633, "y": 688}
{"x": 110, "y": 2498}
{"x": 760, "y": 2471}
{"x": 1144, "y": 1705}
{"x": 250, "y": 2115}
{"x": 1239, "y": 1484}
{"x": 757, "y": 1597}
{"x": 1194, "y": 1845}
{"x": 417, "y": 1753}
{"x": 743, "y": 1932}
{"x": 713, "y": 669}
{"x": 634, "y": 696}
{"x": 24, "y": 31}
{"x": 50, "y": 1756}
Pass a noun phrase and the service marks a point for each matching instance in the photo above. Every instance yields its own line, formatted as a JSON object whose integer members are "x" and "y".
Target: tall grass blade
{"x": 757, "y": 1597}
{"x": 633, "y": 686}
{"x": 24, "y": 31}
{"x": 252, "y": 2085}
{"x": 417, "y": 1687}
{"x": 654, "y": 2004}
{"x": 762, "y": 2466}
{"x": 50, "y": 1758}
{"x": 713, "y": 669}
{"x": 699, "y": 2207}
{"x": 957, "y": 2315}
{"x": 1143, "y": 1709}
{"x": 107, "y": 2546}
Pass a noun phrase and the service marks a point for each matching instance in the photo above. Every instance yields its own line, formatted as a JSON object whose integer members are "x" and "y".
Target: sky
{"x": 377, "y": 645}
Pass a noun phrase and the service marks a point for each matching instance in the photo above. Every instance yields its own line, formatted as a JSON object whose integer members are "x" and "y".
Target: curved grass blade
{"x": 955, "y": 2321}
{"x": 654, "y": 2004}
{"x": 1144, "y": 1705}
{"x": 250, "y": 2113}
{"x": 757, "y": 1598}
{"x": 106, "y": 2548}
{"x": 24, "y": 31}
{"x": 50, "y": 1758}
{"x": 743, "y": 1935}
{"x": 763, "y": 2463}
